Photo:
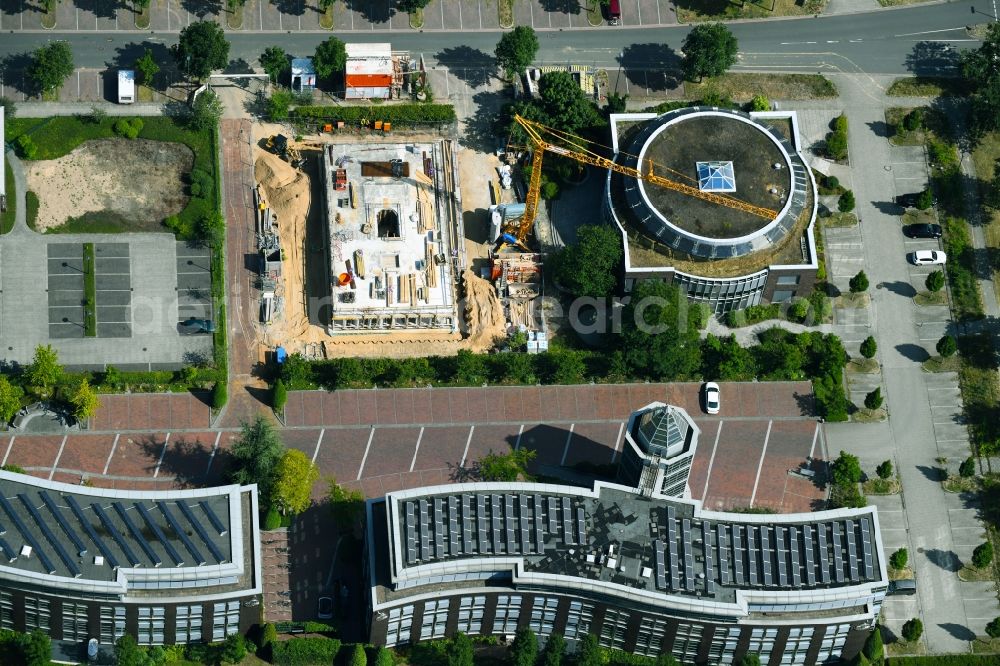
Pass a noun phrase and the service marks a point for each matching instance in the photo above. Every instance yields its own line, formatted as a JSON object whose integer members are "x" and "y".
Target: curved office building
{"x": 166, "y": 567}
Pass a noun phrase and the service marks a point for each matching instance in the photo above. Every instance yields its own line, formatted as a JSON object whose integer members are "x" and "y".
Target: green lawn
{"x": 30, "y": 209}
{"x": 925, "y": 86}
{"x": 89, "y": 292}
{"x": 7, "y": 218}
{"x": 743, "y": 86}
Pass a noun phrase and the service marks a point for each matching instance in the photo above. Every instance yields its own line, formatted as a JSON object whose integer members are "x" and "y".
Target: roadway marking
{"x": 618, "y": 441}
{"x": 812, "y": 448}
{"x": 111, "y": 455}
{"x": 517, "y": 443}
{"x": 413, "y": 462}
{"x": 55, "y": 464}
{"x": 793, "y": 43}
{"x": 472, "y": 429}
{"x": 368, "y": 447}
{"x": 10, "y": 445}
{"x": 166, "y": 442}
{"x": 760, "y": 465}
{"x": 930, "y": 32}
{"x": 569, "y": 436}
{"x": 319, "y": 442}
{"x": 711, "y": 460}
{"x": 215, "y": 449}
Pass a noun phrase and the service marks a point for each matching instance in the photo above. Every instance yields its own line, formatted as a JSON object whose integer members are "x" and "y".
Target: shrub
{"x": 201, "y": 184}
{"x": 268, "y": 635}
{"x": 869, "y": 347}
{"x": 968, "y": 468}
{"x": 859, "y": 283}
{"x": 128, "y": 127}
{"x": 847, "y": 497}
{"x": 358, "y": 656}
{"x": 873, "y": 400}
{"x": 384, "y": 657}
{"x": 845, "y": 204}
{"x": 884, "y": 470}
{"x": 899, "y": 559}
{"x": 912, "y": 629}
{"x": 304, "y": 651}
{"x": 846, "y": 469}
{"x": 26, "y": 147}
{"x": 946, "y": 346}
{"x": 993, "y": 628}
{"x": 799, "y": 310}
{"x": 925, "y": 200}
{"x": 397, "y": 114}
{"x": 219, "y": 395}
{"x": 914, "y": 120}
{"x": 550, "y": 190}
{"x": 233, "y": 649}
{"x": 934, "y": 281}
{"x": 272, "y": 520}
{"x": 278, "y": 105}
{"x": 279, "y": 396}
{"x": 760, "y": 103}
{"x": 874, "y": 649}
{"x": 982, "y": 555}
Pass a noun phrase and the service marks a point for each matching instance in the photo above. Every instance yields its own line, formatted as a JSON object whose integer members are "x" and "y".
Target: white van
{"x": 126, "y": 86}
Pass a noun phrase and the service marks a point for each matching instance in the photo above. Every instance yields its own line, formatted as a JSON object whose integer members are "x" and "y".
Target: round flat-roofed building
{"x": 725, "y": 209}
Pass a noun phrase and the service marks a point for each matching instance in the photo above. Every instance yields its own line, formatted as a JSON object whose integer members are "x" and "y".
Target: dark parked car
{"x": 194, "y": 326}
{"x": 922, "y": 230}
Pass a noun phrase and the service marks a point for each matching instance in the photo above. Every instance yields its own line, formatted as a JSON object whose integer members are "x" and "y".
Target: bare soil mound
{"x": 138, "y": 180}
{"x": 484, "y": 315}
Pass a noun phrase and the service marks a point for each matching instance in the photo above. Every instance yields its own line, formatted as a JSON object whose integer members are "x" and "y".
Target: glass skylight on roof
{"x": 716, "y": 177}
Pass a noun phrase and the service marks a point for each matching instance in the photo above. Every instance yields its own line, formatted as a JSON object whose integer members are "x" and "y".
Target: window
{"x": 400, "y": 622}
{"x": 112, "y": 624}
{"x": 788, "y": 280}
{"x": 782, "y": 295}
{"x": 762, "y": 642}
{"x": 470, "y": 614}
{"x": 188, "y": 624}
{"x": 797, "y": 645}
{"x": 686, "y": 641}
{"x": 225, "y": 620}
{"x": 151, "y": 625}
{"x": 543, "y": 615}
{"x": 6, "y": 610}
{"x": 833, "y": 643}
{"x": 614, "y": 628}
{"x": 578, "y": 620}
{"x": 507, "y": 615}
{"x": 435, "y": 619}
{"x": 723, "y": 647}
{"x": 74, "y": 622}
{"x": 650, "y": 637}
{"x": 36, "y": 614}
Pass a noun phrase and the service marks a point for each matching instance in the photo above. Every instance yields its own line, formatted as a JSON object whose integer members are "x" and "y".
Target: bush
{"x": 934, "y": 281}
{"x": 946, "y": 346}
{"x": 358, "y": 656}
{"x": 128, "y": 127}
{"x": 26, "y": 147}
{"x": 233, "y": 650}
{"x": 914, "y": 120}
{"x": 398, "y": 114}
{"x": 912, "y": 629}
{"x": 869, "y": 347}
{"x": 836, "y": 145}
{"x": 845, "y": 204}
{"x": 272, "y": 520}
{"x": 269, "y": 634}
{"x": 847, "y": 497}
{"x": 993, "y": 628}
{"x": 873, "y": 400}
{"x": 760, "y": 103}
{"x": 846, "y": 469}
{"x": 884, "y": 470}
{"x": 219, "y": 395}
{"x": 278, "y": 105}
{"x": 899, "y": 559}
{"x": 304, "y": 651}
{"x": 982, "y": 556}
{"x": 925, "y": 200}
{"x": 201, "y": 184}
{"x": 798, "y": 311}
{"x": 859, "y": 283}
{"x": 550, "y": 190}
{"x": 279, "y": 396}
{"x": 968, "y": 468}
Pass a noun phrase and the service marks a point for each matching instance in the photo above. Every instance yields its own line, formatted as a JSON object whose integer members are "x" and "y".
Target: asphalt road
{"x": 916, "y": 39}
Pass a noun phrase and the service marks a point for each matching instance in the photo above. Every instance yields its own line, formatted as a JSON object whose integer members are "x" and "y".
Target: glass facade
{"x": 188, "y": 624}
{"x": 543, "y": 615}
{"x": 507, "y": 614}
{"x": 74, "y": 622}
{"x": 435, "y": 619}
{"x": 614, "y": 629}
{"x": 470, "y": 614}
{"x": 400, "y": 622}
{"x": 726, "y": 294}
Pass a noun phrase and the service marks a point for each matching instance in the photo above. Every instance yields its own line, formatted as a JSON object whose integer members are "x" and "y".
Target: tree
{"x": 504, "y": 466}
{"x": 914, "y": 120}
{"x": 993, "y": 628}
{"x": 884, "y": 469}
{"x": 50, "y": 65}
{"x": 845, "y": 204}
{"x": 294, "y": 480}
{"x": 561, "y": 103}
{"x": 873, "y": 399}
{"x": 274, "y": 60}
{"x": 233, "y": 649}
{"x": 899, "y": 559}
{"x": 859, "y": 283}
{"x": 10, "y": 399}
{"x": 460, "y": 651}
{"x": 981, "y": 71}
{"x": 874, "y": 649}
{"x": 660, "y": 332}
{"x": 982, "y": 556}
{"x": 709, "y": 50}
{"x": 206, "y": 111}
{"x": 36, "y": 648}
{"x": 750, "y": 659}
{"x": 588, "y": 651}
{"x": 946, "y": 346}
{"x": 384, "y": 657}
{"x": 934, "y": 281}
{"x": 616, "y": 103}
{"x": 279, "y": 395}
{"x": 141, "y": 5}
{"x": 524, "y": 649}
{"x": 278, "y": 105}
{"x": 968, "y": 468}
{"x": 128, "y": 652}
{"x": 666, "y": 659}
{"x": 912, "y": 629}
{"x": 255, "y": 456}
{"x": 219, "y": 396}
{"x": 44, "y": 371}
{"x": 211, "y": 228}
{"x": 147, "y": 67}
{"x": 846, "y": 469}
{"x": 345, "y": 504}
{"x": 516, "y": 50}
{"x": 589, "y": 266}
{"x": 358, "y": 656}
{"x": 925, "y": 199}
{"x": 869, "y": 347}
{"x": 201, "y": 48}
{"x": 555, "y": 648}
{"x": 85, "y": 401}
{"x": 330, "y": 57}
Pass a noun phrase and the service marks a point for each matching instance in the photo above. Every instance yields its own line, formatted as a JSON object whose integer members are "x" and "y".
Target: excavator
{"x": 546, "y": 139}
{"x": 278, "y": 144}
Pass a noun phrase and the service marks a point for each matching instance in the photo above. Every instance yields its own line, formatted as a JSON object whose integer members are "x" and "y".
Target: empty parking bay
{"x": 113, "y": 283}
{"x": 194, "y": 282}
{"x": 65, "y": 290}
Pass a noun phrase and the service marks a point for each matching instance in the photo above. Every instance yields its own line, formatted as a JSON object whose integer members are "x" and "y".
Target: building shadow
{"x": 187, "y": 461}
{"x": 944, "y": 559}
{"x": 472, "y": 66}
{"x": 480, "y": 131}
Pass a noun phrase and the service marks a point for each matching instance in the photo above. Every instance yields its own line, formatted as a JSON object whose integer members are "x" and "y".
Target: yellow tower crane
{"x": 545, "y": 138}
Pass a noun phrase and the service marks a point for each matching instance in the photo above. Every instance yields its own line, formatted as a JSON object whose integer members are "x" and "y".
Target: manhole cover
{"x": 888, "y": 167}
{"x": 920, "y": 550}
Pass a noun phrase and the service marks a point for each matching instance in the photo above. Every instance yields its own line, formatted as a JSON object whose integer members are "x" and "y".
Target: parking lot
{"x": 194, "y": 282}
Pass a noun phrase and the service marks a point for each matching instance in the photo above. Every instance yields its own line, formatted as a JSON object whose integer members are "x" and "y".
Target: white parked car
{"x": 712, "y": 398}
{"x": 928, "y": 258}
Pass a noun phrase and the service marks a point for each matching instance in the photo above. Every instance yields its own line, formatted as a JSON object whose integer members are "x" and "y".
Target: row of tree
{"x": 45, "y": 379}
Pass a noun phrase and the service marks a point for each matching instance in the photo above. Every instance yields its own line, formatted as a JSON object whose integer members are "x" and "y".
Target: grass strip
{"x": 417, "y": 18}
{"x": 743, "y": 86}
{"x": 31, "y": 204}
{"x": 594, "y": 15}
{"x": 691, "y": 11}
{"x": 506, "y": 11}
{"x": 141, "y": 17}
{"x": 8, "y": 216}
{"x": 326, "y": 18}
{"x": 926, "y": 86}
{"x": 966, "y": 298}
{"x": 89, "y": 292}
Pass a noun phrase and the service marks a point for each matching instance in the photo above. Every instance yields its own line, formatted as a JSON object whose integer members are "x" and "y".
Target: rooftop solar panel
{"x": 61, "y": 519}
{"x": 212, "y": 548}
{"x": 454, "y": 546}
{"x": 8, "y": 552}
{"x": 661, "y": 578}
{"x": 672, "y": 551}
{"x": 425, "y": 541}
{"x": 807, "y": 550}
{"x": 824, "y": 564}
{"x": 765, "y": 554}
{"x": 688, "y": 555}
{"x": 212, "y": 518}
{"x": 116, "y": 535}
{"x": 838, "y": 561}
{"x": 510, "y": 523}
{"x": 482, "y": 524}
{"x": 752, "y": 554}
{"x": 109, "y": 556}
{"x": 495, "y": 520}
{"x": 439, "y": 527}
{"x": 155, "y": 529}
{"x": 539, "y": 524}
{"x": 467, "y": 526}
{"x": 852, "y": 553}
{"x": 709, "y": 565}
{"x": 27, "y": 535}
{"x": 182, "y": 534}
{"x": 866, "y": 548}
{"x": 522, "y": 516}
{"x": 793, "y": 551}
{"x": 723, "y": 545}
{"x": 49, "y": 536}
{"x": 739, "y": 553}
{"x": 553, "y": 518}
{"x": 137, "y": 534}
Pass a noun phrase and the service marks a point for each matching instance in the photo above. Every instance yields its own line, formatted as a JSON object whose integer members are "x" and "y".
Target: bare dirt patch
{"x": 137, "y": 180}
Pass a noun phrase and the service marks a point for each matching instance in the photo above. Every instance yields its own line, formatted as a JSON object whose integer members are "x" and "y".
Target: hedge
{"x": 397, "y": 114}
{"x": 945, "y": 660}
{"x": 304, "y": 651}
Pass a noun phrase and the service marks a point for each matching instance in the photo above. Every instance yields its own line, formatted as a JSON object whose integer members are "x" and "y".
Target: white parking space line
{"x": 55, "y": 464}
{"x": 319, "y": 442}
{"x": 760, "y": 465}
{"x": 812, "y": 449}
{"x": 413, "y": 463}
{"x": 10, "y": 445}
{"x": 711, "y": 461}
{"x": 465, "y": 453}
{"x": 618, "y": 441}
{"x": 569, "y": 436}
{"x": 111, "y": 455}
{"x": 166, "y": 443}
{"x": 215, "y": 449}
{"x": 368, "y": 447}
{"x": 517, "y": 443}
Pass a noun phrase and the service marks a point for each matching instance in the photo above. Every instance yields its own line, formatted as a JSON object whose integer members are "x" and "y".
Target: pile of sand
{"x": 483, "y": 312}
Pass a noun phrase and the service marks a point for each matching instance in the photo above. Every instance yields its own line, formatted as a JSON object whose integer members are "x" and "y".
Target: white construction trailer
{"x": 126, "y": 86}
